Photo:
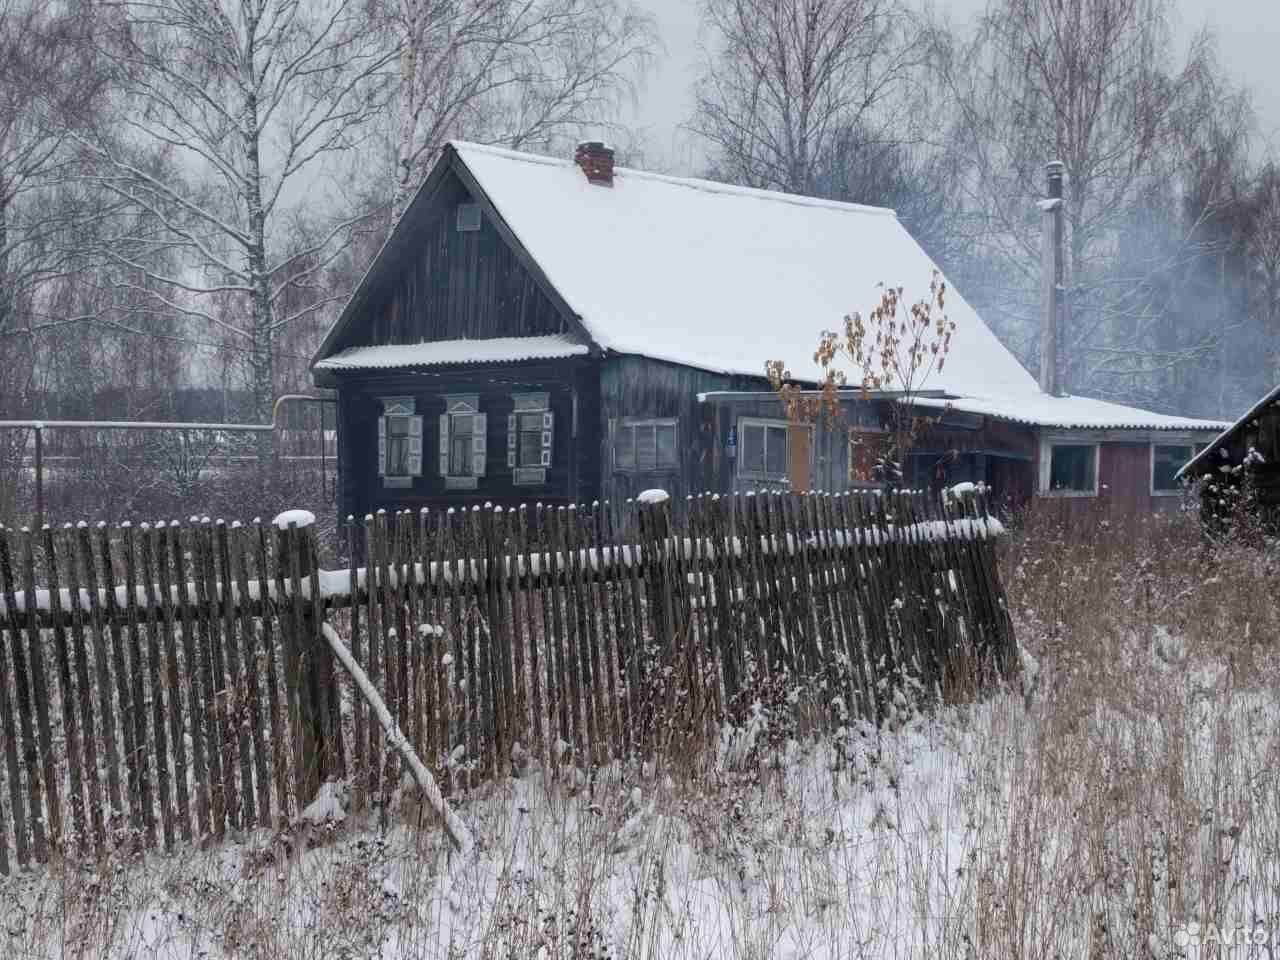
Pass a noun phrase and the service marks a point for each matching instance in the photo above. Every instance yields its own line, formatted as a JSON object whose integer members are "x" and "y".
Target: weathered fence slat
{"x": 13, "y": 640}
{"x": 195, "y": 636}
{"x": 383, "y": 655}
{"x": 169, "y": 551}
{"x": 564, "y": 632}
{"x": 526, "y": 637}
{"x": 139, "y": 772}
{"x": 66, "y": 693}
{"x": 154, "y": 621}
{"x": 500, "y": 549}
{"x": 206, "y": 591}
{"x": 359, "y": 748}
{"x": 106, "y": 710}
{"x": 419, "y": 634}
{"x": 305, "y": 761}
{"x": 319, "y": 667}
{"x": 254, "y": 663}
{"x": 588, "y": 608}
{"x": 403, "y": 556}
{"x": 439, "y": 644}
{"x": 271, "y": 667}
{"x": 40, "y": 687}
{"x": 235, "y": 739}
{"x": 558, "y": 701}
{"x": 373, "y": 600}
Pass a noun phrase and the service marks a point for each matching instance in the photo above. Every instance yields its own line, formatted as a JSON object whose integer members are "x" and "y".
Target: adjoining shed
{"x": 538, "y": 329}
{"x": 1243, "y": 459}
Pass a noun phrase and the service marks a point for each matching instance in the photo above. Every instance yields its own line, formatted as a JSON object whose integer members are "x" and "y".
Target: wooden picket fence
{"x": 168, "y": 683}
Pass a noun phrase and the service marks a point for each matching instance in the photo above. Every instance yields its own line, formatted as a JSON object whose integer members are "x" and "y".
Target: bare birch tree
{"x": 1095, "y": 84}
{"x": 49, "y": 82}
{"x": 254, "y": 101}
{"x": 1263, "y": 248}
{"x": 784, "y": 79}
{"x": 517, "y": 73}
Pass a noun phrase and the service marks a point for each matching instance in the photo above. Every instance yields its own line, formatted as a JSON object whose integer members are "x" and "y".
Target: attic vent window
{"x": 468, "y": 217}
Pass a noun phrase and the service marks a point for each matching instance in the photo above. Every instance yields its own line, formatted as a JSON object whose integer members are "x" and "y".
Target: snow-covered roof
{"x": 720, "y": 277}
{"x": 1189, "y": 469}
{"x": 496, "y": 350}
{"x": 1079, "y": 413}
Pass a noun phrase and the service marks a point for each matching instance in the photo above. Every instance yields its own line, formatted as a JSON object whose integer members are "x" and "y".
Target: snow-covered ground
{"x": 1126, "y": 790}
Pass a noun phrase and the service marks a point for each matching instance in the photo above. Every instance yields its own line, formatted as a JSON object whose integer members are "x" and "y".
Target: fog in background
{"x": 1248, "y": 32}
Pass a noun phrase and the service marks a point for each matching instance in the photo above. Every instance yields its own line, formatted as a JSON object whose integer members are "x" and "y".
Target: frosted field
{"x": 1123, "y": 788}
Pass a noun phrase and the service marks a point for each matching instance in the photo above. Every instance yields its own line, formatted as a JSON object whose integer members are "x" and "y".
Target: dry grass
{"x": 1130, "y": 790}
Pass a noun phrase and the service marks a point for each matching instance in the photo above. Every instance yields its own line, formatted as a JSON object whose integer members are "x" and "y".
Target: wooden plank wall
{"x": 457, "y": 284}
{"x": 572, "y": 386}
{"x": 641, "y": 388}
{"x": 196, "y": 698}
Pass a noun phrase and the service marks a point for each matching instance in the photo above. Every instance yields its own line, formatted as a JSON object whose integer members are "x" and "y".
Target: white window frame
{"x": 1047, "y": 444}
{"x": 1173, "y": 440}
{"x": 529, "y": 404}
{"x": 765, "y": 475}
{"x": 400, "y": 408}
{"x": 463, "y": 404}
{"x": 631, "y": 423}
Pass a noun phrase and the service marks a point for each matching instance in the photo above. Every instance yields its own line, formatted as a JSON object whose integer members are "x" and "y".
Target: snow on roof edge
{"x": 694, "y": 183}
{"x": 1271, "y": 397}
{"x": 992, "y": 408}
{"x": 429, "y": 353}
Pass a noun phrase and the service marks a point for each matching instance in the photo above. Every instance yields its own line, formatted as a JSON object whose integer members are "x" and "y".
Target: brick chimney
{"x": 596, "y": 161}
{"x": 1052, "y": 284}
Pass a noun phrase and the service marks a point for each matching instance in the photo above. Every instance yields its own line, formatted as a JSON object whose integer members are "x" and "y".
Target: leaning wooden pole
{"x": 457, "y": 830}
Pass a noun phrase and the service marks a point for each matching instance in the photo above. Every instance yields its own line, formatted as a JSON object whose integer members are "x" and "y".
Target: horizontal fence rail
{"x": 167, "y": 683}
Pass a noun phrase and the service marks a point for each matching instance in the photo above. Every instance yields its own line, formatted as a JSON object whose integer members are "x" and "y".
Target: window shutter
{"x": 548, "y": 427}
{"x": 444, "y": 444}
{"x": 415, "y": 446}
{"x": 479, "y": 444}
{"x": 511, "y": 440}
{"x": 382, "y": 446}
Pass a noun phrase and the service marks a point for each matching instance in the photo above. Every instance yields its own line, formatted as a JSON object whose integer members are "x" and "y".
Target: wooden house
{"x": 545, "y": 330}
{"x": 1245, "y": 457}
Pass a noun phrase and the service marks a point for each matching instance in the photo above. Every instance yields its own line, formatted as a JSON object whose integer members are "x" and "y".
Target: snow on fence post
{"x": 655, "y": 529}
{"x": 304, "y": 649}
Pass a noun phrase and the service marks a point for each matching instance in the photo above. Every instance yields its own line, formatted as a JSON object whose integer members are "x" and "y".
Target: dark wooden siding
{"x": 572, "y": 477}
{"x": 830, "y": 445}
{"x": 956, "y": 448}
{"x": 455, "y": 284}
{"x": 638, "y": 387}
{"x": 1124, "y": 476}
{"x": 1124, "y": 488}
{"x": 964, "y": 448}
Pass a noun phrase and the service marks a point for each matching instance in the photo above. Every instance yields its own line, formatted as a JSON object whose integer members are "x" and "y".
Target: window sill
{"x": 397, "y": 483}
{"x": 529, "y": 476}
{"x": 461, "y": 483}
{"x": 1166, "y": 493}
{"x": 1068, "y": 494}
{"x": 635, "y": 470}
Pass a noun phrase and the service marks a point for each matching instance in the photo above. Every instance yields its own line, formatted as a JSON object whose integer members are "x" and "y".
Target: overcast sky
{"x": 1248, "y": 33}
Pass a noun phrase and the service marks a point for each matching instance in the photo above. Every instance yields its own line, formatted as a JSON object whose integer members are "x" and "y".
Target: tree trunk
{"x": 6, "y": 288}
{"x": 1271, "y": 311}
{"x": 261, "y": 359}
{"x": 408, "y": 111}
